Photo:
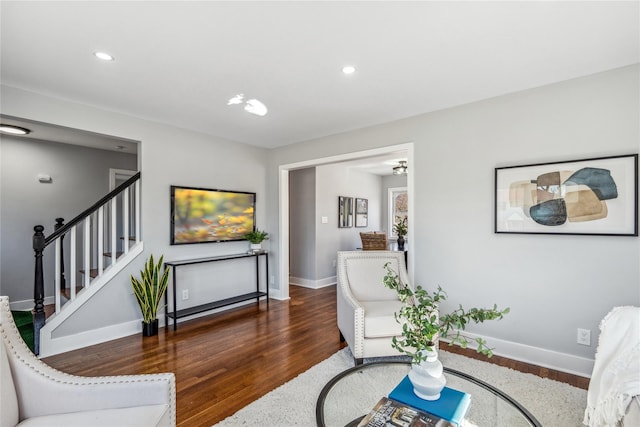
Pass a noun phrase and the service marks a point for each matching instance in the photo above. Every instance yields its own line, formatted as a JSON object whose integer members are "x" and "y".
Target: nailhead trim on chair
{"x": 73, "y": 379}
{"x": 358, "y": 350}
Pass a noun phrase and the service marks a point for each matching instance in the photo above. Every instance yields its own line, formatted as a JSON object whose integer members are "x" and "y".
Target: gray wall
{"x": 313, "y": 245}
{"x": 302, "y": 224}
{"x": 168, "y": 156}
{"x": 553, "y": 284}
{"x": 454, "y": 244}
{"x": 333, "y": 181}
{"x": 80, "y": 178}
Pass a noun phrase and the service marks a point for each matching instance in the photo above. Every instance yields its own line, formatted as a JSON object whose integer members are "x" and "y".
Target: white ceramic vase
{"x": 256, "y": 246}
{"x": 427, "y": 377}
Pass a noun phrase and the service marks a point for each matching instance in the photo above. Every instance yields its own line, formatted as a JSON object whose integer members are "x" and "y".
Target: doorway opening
{"x": 283, "y": 172}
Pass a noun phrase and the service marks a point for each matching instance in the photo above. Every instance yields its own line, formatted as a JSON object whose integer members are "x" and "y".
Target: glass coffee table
{"x": 350, "y": 395}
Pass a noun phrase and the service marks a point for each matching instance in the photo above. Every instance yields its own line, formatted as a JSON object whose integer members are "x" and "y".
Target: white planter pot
{"x": 256, "y": 246}
{"x": 427, "y": 377}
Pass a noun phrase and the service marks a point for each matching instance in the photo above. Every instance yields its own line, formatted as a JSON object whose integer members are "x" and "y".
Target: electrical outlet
{"x": 185, "y": 294}
{"x": 272, "y": 280}
{"x": 333, "y": 263}
{"x": 584, "y": 336}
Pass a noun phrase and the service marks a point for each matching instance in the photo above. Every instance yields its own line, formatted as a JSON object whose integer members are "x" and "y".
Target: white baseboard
{"x": 27, "y": 304}
{"x": 95, "y": 336}
{"x": 313, "y": 284}
{"x": 563, "y": 362}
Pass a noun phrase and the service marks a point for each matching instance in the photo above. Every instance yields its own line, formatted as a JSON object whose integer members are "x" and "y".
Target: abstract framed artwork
{"x": 362, "y": 212}
{"x": 596, "y": 196}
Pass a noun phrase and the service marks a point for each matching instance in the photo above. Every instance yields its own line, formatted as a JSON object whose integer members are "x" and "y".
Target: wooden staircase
{"x": 95, "y": 231}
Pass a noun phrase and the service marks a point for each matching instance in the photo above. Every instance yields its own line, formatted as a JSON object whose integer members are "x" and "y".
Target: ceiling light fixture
{"x": 236, "y": 99}
{"x": 14, "y": 130}
{"x": 104, "y": 56}
{"x": 401, "y": 169}
{"x": 256, "y": 107}
{"x": 349, "y": 69}
{"x": 252, "y": 106}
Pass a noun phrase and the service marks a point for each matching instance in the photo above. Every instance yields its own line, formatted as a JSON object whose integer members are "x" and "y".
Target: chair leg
{"x": 358, "y": 361}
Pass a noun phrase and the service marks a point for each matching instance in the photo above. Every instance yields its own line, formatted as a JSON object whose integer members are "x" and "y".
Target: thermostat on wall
{"x": 44, "y": 178}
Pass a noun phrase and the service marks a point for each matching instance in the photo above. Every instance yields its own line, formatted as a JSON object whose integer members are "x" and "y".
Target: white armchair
{"x": 33, "y": 394}
{"x": 365, "y": 306}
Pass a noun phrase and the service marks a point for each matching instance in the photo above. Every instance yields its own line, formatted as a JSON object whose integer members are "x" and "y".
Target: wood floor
{"x": 223, "y": 362}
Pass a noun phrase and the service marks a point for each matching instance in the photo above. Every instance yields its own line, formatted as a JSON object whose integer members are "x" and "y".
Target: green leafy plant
{"x": 423, "y": 325}
{"x": 150, "y": 288}
{"x": 400, "y": 227}
{"x": 257, "y": 236}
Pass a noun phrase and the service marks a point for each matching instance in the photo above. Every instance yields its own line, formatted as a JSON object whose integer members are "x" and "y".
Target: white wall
{"x": 80, "y": 177}
{"x": 553, "y": 284}
{"x": 168, "y": 156}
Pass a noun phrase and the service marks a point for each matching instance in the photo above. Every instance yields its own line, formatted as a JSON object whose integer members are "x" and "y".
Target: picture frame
{"x": 398, "y": 207}
{"x": 596, "y": 196}
{"x": 362, "y": 212}
{"x": 345, "y": 212}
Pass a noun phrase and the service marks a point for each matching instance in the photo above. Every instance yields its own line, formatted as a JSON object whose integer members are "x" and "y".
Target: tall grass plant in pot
{"x": 149, "y": 290}
{"x": 423, "y": 326}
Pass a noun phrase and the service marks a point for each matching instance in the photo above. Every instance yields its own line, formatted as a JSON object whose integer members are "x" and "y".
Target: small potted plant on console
{"x": 256, "y": 238}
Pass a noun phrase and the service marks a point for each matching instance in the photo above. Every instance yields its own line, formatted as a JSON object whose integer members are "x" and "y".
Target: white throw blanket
{"x": 616, "y": 372}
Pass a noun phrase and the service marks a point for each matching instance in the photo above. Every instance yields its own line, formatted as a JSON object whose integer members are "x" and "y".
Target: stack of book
{"x": 404, "y": 409}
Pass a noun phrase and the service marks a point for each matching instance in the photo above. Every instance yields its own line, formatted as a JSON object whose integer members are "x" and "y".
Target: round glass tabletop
{"x": 352, "y": 394}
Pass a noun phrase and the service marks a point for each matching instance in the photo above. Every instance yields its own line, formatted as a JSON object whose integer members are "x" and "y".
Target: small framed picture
{"x": 362, "y": 212}
{"x": 345, "y": 212}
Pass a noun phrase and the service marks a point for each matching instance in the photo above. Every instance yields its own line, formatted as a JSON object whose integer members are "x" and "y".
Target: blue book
{"x": 452, "y": 405}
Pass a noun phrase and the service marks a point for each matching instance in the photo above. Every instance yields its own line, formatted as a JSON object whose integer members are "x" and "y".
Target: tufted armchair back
{"x": 35, "y": 394}
{"x": 363, "y": 273}
{"x": 365, "y": 307}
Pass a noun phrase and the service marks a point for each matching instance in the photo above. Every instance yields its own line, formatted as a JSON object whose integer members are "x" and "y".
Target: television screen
{"x": 200, "y": 215}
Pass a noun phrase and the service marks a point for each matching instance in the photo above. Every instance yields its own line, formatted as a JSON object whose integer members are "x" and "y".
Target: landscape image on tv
{"x": 201, "y": 215}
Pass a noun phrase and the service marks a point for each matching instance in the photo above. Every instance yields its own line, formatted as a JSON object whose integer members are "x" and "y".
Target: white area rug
{"x": 294, "y": 403}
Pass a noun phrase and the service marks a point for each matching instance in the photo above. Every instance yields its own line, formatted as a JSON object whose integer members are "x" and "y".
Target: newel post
{"x": 63, "y": 281}
{"x": 38, "y": 287}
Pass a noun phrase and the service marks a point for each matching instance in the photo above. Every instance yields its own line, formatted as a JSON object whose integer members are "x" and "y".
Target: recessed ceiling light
{"x": 14, "y": 130}
{"x": 104, "y": 56}
{"x": 348, "y": 69}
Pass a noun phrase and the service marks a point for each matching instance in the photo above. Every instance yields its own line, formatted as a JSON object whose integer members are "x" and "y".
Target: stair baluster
{"x": 63, "y": 281}
{"x": 38, "y": 289}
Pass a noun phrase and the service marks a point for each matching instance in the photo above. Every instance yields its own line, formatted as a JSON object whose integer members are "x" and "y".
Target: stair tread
{"x": 108, "y": 254}
{"x": 66, "y": 292}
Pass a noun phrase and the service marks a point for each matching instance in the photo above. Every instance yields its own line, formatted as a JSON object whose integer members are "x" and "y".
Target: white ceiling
{"x": 180, "y": 61}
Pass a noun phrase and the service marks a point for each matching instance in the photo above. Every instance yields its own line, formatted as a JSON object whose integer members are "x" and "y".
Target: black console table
{"x": 176, "y": 314}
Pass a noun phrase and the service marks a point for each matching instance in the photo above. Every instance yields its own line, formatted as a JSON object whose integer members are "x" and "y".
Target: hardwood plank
{"x": 225, "y": 361}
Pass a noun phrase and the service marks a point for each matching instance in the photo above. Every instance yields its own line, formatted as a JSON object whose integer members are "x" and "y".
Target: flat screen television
{"x": 201, "y": 215}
